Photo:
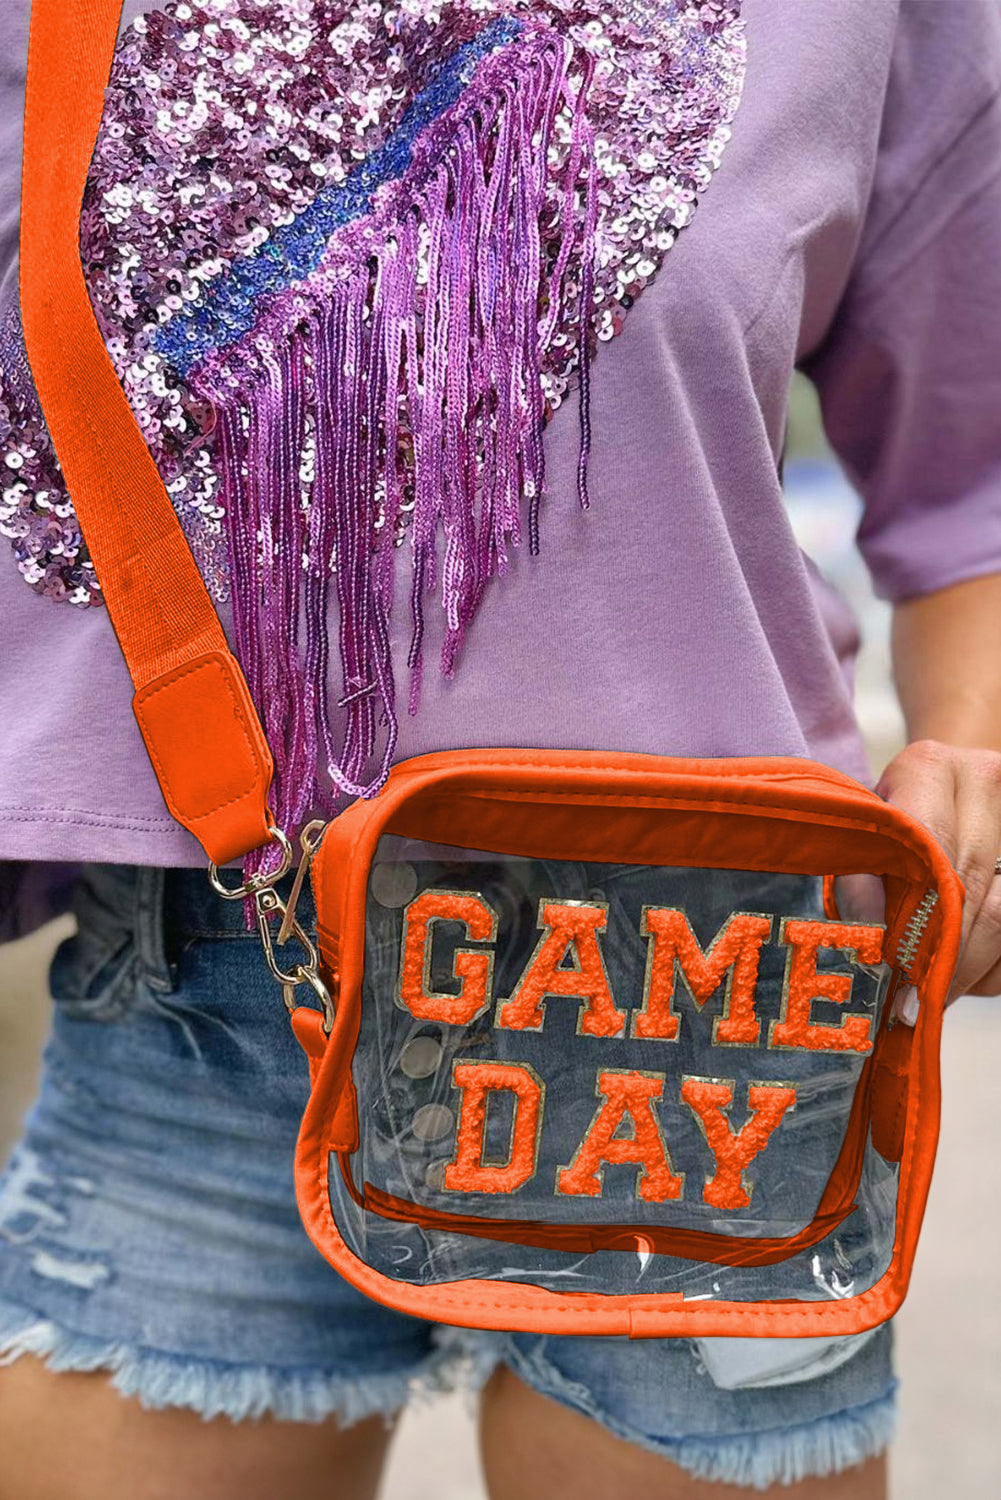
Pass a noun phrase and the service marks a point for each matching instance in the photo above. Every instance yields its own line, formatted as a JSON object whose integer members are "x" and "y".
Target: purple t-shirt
{"x": 853, "y": 230}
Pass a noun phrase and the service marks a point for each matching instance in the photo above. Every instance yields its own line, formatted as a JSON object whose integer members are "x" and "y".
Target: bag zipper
{"x": 914, "y": 931}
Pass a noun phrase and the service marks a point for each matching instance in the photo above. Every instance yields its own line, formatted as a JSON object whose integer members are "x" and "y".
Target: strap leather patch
{"x": 210, "y": 756}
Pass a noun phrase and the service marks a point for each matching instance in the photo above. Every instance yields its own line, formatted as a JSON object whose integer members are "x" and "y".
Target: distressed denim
{"x": 148, "y": 1225}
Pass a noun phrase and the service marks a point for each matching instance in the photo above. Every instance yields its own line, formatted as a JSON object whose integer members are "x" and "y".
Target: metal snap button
{"x": 432, "y": 1122}
{"x": 392, "y": 884}
{"x": 420, "y": 1057}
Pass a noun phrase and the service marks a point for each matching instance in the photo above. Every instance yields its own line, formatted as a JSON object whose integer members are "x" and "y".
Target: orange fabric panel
{"x": 733, "y": 1150}
{"x": 552, "y": 827}
{"x": 803, "y": 984}
{"x": 586, "y": 1239}
{"x": 624, "y": 1095}
{"x": 529, "y": 803}
{"x": 565, "y": 926}
{"x": 307, "y": 1024}
{"x": 468, "y": 1172}
{"x": 473, "y": 969}
{"x": 736, "y": 947}
{"x": 890, "y": 1089}
{"x": 158, "y": 605}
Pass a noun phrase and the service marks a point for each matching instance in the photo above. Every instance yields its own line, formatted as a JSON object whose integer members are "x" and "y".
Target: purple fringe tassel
{"x": 417, "y": 350}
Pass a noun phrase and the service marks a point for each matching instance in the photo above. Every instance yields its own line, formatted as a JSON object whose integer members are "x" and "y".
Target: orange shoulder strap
{"x": 191, "y": 701}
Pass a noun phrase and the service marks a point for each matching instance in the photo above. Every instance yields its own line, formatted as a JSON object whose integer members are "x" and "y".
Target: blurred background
{"x": 949, "y": 1332}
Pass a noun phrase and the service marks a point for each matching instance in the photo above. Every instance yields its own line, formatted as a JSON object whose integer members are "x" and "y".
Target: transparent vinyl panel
{"x": 617, "y": 1078}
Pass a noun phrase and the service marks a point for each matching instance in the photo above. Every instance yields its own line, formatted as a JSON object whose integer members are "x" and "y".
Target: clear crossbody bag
{"x": 606, "y": 1055}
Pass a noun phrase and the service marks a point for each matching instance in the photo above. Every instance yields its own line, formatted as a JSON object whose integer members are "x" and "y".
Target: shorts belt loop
{"x": 149, "y": 929}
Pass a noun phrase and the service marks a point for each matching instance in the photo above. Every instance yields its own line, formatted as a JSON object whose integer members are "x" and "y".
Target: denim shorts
{"x": 148, "y": 1226}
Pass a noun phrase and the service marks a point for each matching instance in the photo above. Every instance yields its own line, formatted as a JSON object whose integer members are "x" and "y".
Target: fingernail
{"x": 906, "y": 1005}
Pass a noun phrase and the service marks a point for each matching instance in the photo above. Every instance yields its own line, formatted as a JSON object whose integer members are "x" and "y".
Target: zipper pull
{"x": 309, "y": 842}
{"x": 907, "y": 952}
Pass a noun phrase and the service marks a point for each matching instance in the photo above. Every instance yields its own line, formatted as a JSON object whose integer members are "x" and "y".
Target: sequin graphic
{"x": 348, "y": 261}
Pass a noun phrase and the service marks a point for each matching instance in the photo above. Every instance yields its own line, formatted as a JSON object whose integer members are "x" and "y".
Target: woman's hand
{"x": 956, "y": 793}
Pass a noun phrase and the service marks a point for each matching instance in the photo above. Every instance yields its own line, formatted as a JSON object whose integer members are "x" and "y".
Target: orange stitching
{"x": 901, "y": 836}
{"x": 814, "y": 773}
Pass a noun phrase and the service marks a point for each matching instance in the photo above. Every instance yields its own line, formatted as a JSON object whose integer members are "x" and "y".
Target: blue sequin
{"x": 294, "y": 250}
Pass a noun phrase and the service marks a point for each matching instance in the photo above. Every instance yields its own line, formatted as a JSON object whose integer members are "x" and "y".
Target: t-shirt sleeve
{"x": 909, "y": 372}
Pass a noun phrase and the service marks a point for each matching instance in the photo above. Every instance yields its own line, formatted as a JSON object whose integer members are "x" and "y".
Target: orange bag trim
{"x": 585, "y": 1239}
{"x": 781, "y": 787}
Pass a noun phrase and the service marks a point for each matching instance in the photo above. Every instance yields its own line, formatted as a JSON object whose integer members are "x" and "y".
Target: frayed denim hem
{"x": 753, "y": 1460}
{"x": 475, "y": 1352}
{"x": 214, "y": 1388}
{"x": 785, "y": 1455}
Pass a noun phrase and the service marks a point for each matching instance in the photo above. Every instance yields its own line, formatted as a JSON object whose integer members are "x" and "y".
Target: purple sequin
{"x": 347, "y": 262}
